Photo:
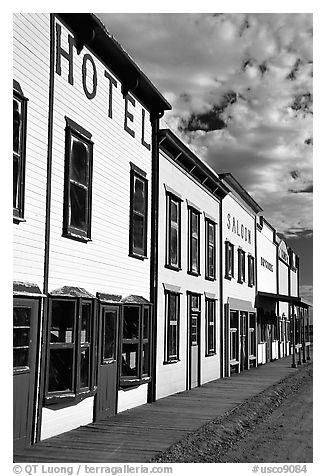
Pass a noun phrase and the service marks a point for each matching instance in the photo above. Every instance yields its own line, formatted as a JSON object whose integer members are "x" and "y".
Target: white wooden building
{"x": 239, "y": 277}
{"x": 189, "y": 278}
{"x": 84, "y": 149}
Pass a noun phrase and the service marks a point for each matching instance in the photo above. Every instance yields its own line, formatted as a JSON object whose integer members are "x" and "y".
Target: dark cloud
{"x": 293, "y": 74}
{"x": 308, "y": 189}
{"x": 303, "y": 103}
{"x": 309, "y": 141}
{"x": 295, "y": 174}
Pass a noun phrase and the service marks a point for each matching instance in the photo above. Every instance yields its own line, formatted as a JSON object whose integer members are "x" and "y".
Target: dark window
{"x": 234, "y": 335}
{"x": 193, "y": 242}
{"x": 210, "y": 250}
{"x": 78, "y": 183}
{"x": 210, "y": 327}
{"x": 136, "y": 344}
{"x": 229, "y": 260}
{"x": 241, "y": 266}
{"x": 173, "y": 232}
{"x": 70, "y": 348}
{"x": 19, "y": 150}
{"x": 194, "y": 318}
{"x": 21, "y": 336}
{"x": 172, "y": 317}
{"x": 138, "y": 213}
{"x": 251, "y": 271}
{"x": 109, "y": 320}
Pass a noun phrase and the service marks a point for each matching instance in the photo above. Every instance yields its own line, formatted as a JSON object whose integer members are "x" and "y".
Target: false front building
{"x": 84, "y": 121}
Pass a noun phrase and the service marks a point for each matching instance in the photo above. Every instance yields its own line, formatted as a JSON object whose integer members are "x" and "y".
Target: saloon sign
{"x": 238, "y": 228}
{"x": 91, "y": 81}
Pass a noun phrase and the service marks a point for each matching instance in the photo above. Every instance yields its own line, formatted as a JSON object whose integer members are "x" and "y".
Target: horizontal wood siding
{"x": 283, "y": 278}
{"x": 231, "y": 288}
{"x": 132, "y": 397}
{"x": 294, "y": 283}
{"x": 266, "y": 250}
{"x": 102, "y": 264}
{"x": 31, "y": 56}
{"x": 171, "y": 378}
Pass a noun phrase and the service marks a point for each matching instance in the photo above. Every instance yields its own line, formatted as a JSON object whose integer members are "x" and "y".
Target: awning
{"x": 240, "y": 305}
{"x": 27, "y": 289}
{"x": 71, "y": 291}
{"x": 279, "y": 297}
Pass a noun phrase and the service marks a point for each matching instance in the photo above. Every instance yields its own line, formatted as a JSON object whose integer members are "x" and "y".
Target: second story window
{"x": 210, "y": 250}
{"x": 19, "y": 147}
{"x": 241, "y": 266}
{"x": 251, "y": 271}
{"x": 78, "y": 182}
{"x": 194, "y": 242}
{"x": 138, "y": 213}
{"x": 229, "y": 260}
{"x": 173, "y": 232}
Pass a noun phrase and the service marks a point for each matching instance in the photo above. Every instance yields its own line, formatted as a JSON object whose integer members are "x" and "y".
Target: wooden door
{"x": 106, "y": 397}
{"x": 244, "y": 340}
{"x": 25, "y": 320}
{"x": 194, "y": 341}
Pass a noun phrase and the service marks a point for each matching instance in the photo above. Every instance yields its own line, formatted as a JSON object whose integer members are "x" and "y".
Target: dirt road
{"x": 276, "y": 426}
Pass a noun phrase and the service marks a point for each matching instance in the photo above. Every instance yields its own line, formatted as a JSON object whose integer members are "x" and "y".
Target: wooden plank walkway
{"x": 136, "y": 435}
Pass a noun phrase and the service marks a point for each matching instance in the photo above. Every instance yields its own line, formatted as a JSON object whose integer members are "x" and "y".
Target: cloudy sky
{"x": 240, "y": 86}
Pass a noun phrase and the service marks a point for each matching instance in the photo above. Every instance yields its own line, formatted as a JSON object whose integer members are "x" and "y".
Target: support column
{"x": 304, "y": 337}
{"x": 294, "y": 365}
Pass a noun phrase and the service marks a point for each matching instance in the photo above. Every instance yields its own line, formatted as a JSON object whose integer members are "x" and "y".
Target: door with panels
{"x": 194, "y": 314}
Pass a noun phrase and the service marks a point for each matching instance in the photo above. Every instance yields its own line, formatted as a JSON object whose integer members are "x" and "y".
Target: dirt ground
{"x": 275, "y": 426}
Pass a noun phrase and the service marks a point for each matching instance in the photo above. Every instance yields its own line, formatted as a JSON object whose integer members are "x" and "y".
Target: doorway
{"x": 244, "y": 351}
{"x": 194, "y": 340}
{"x": 25, "y": 320}
{"x": 106, "y": 398}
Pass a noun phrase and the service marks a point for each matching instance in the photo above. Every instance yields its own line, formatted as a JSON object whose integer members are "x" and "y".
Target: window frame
{"x": 252, "y": 335}
{"x": 193, "y": 236}
{"x": 234, "y": 331}
{"x": 137, "y": 173}
{"x": 74, "y": 130}
{"x": 229, "y": 253}
{"x": 168, "y": 263}
{"x": 18, "y": 212}
{"x": 210, "y": 325}
{"x": 208, "y": 223}
{"x": 125, "y": 380}
{"x": 170, "y": 358}
{"x": 77, "y": 392}
{"x": 251, "y": 271}
{"x": 241, "y": 266}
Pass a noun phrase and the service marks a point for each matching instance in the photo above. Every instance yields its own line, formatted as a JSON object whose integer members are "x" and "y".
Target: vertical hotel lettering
{"x": 90, "y": 83}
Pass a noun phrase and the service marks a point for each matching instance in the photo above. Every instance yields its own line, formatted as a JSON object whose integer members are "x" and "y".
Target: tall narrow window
{"x": 229, "y": 260}
{"x": 19, "y": 150}
{"x": 193, "y": 242}
{"x": 210, "y": 327}
{"x": 252, "y": 334}
{"x": 210, "y": 250}
{"x": 78, "y": 183}
{"x": 138, "y": 213}
{"x": 172, "y": 316}
{"x": 136, "y": 351}
{"x": 241, "y": 266}
{"x": 251, "y": 271}
{"x": 70, "y": 347}
{"x": 173, "y": 232}
{"x": 234, "y": 335}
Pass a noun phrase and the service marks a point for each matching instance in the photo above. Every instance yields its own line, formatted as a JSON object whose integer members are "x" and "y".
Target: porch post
{"x": 294, "y": 365}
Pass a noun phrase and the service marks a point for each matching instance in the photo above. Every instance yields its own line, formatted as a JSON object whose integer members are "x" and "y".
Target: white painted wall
{"x": 171, "y": 378}
{"x": 231, "y": 288}
{"x": 55, "y": 422}
{"x": 31, "y": 46}
{"x": 132, "y": 398}
{"x": 103, "y": 264}
{"x": 266, "y": 250}
{"x": 283, "y": 278}
{"x": 294, "y": 282}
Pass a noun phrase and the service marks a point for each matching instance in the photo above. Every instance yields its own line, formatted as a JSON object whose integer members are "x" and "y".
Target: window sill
{"x": 75, "y": 237}
{"x": 173, "y": 268}
{"x": 67, "y": 399}
{"x": 168, "y": 362}
{"x": 18, "y": 220}
{"x": 137, "y": 256}
{"x": 210, "y": 354}
{"x": 228, "y": 277}
{"x": 210, "y": 278}
{"x": 192, "y": 273}
{"x": 134, "y": 382}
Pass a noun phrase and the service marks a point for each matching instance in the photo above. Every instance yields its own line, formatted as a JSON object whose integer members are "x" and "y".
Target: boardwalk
{"x": 136, "y": 435}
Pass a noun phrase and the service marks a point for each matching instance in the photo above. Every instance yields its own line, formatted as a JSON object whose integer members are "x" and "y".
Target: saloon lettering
{"x": 266, "y": 264}
{"x": 90, "y": 83}
{"x": 238, "y": 228}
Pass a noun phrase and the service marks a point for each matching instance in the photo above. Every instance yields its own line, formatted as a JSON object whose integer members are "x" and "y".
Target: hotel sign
{"x": 238, "y": 228}
{"x": 283, "y": 253}
{"x": 266, "y": 264}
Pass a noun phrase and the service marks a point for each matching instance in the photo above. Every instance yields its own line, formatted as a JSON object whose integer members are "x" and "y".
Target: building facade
{"x": 239, "y": 277}
{"x": 83, "y": 153}
{"x": 189, "y": 279}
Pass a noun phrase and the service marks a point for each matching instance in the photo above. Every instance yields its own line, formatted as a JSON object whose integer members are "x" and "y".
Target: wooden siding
{"x": 283, "y": 285}
{"x": 231, "y": 288}
{"x": 31, "y": 62}
{"x": 171, "y": 378}
{"x": 266, "y": 249}
{"x": 102, "y": 264}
